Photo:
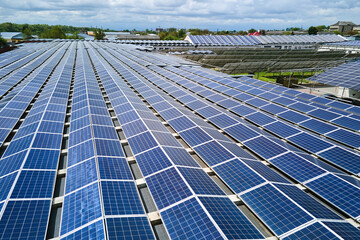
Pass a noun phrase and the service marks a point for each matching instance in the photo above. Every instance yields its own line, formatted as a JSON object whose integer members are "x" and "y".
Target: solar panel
{"x": 167, "y": 187}
{"x": 93, "y": 231}
{"x": 25, "y": 219}
{"x": 125, "y": 227}
{"x": 187, "y": 220}
{"x": 200, "y": 182}
{"x": 276, "y": 210}
{"x": 338, "y": 192}
{"x": 152, "y": 161}
{"x": 230, "y": 219}
{"x": 316, "y": 230}
{"x": 121, "y": 198}
{"x": 338, "y": 76}
{"x": 34, "y": 184}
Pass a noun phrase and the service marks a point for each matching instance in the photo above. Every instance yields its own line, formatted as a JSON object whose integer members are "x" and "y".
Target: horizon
{"x": 140, "y": 15}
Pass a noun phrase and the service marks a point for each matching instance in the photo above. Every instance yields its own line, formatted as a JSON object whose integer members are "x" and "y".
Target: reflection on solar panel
{"x": 100, "y": 142}
{"x": 346, "y": 75}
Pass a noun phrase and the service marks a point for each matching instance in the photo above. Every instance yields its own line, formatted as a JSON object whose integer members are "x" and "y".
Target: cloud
{"x": 211, "y": 14}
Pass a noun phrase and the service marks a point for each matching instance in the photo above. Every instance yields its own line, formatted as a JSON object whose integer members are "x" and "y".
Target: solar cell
{"x": 238, "y": 176}
{"x": 25, "y": 219}
{"x": 230, "y": 219}
{"x": 189, "y": 220}
{"x": 34, "y": 184}
{"x": 121, "y": 198}
{"x": 152, "y": 161}
{"x": 200, "y": 182}
{"x": 80, "y": 207}
{"x": 276, "y": 210}
{"x": 338, "y": 192}
{"x": 93, "y": 231}
{"x": 257, "y": 145}
{"x": 167, "y": 187}
{"x": 129, "y": 227}
{"x": 297, "y": 167}
{"x": 314, "y": 231}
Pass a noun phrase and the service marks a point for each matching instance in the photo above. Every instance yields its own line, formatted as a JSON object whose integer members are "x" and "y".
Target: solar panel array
{"x": 101, "y": 141}
{"x": 346, "y": 75}
{"x": 229, "y": 40}
{"x": 354, "y": 43}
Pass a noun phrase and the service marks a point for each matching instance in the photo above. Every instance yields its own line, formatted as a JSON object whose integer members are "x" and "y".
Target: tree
{"x": 251, "y": 30}
{"x": 181, "y": 34}
{"x": 312, "y": 30}
{"x": 3, "y": 42}
{"x": 99, "y": 34}
{"x": 27, "y": 33}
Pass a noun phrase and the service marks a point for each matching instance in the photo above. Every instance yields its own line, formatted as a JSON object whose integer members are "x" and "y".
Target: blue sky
{"x": 210, "y": 14}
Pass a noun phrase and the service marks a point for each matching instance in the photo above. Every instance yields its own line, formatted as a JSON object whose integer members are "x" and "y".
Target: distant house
{"x": 343, "y": 26}
{"x": 13, "y": 37}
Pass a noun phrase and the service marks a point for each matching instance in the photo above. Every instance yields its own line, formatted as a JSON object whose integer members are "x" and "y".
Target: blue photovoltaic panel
{"x": 152, "y": 161}
{"x": 208, "y": 112}
{"x": 340, "y": 157}
{"x": 266, "y": 172}
{"x": 45, "y": 140}
{"x": 142, "y": 142}
{"x": 276, "y": 210}
{"x": 297, "y": 167}
{"x": 242, "y": 110}
{"x": 80, "y": 152}
{"x": 213, "y": 153}
{"x": 34, "y": 184}
{"x": 133, "y": 128}
{"x": 281, "y": 129}
{"x": 230, "y": 219}
{"x": 237, "y": 150}
{"x": 25, "y": 219}
{"x": 167, "y": 187}
{"x": 223, "y": 120}
{"x": 188, "y": 220}
{"x": 5, "y": 185}
{"x": 340, "y": 193}
{"x": 180, "y": 156}
{"x": 104, "y": 132}
{"x": 42, "y": 159}
{"x": 273, "y": 108}
{"x": 260, "y": 118}
{"x": 293, "y": 116}
{"x": 324, "y": 114}
{"x": 195, "y": 136}
{"x": 114, "y": 168}
{"x": 347, "y": 122}
{"x": 318, "y": 126}
{"x": 80, "y": 207}
{"x": 93, "y": 231}
{"x": 181, "y": 123}
{"x": 310, "y": 142}
{"x": 346, "y": 137}
{"x": 80, "y": 175}
{"x": 136, "y": 228}
{"x": 166, "y": 139}
{"x": 238, "y": 176}
{"x": 344, "y": 229}
{"x": 108, "y": 148}
{"x": 314, "y": 231}
{"x": 241, "y": 132}
{"x": 121, "y": 198}
{"x": 200, "y": 181}
{"x": 271, "y": 150}
{"x": 308, "y": 203}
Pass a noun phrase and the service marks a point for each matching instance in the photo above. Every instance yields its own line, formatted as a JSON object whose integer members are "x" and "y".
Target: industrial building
{"x": 99, "y": 140}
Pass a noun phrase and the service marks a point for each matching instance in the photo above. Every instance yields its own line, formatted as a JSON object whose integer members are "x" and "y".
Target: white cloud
{"x": 211, "y": 14}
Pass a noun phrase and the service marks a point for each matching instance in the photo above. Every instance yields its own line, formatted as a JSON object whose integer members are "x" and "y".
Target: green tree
{"x": 251, "y": 30}
{"x": 181, "y": 34}
{"x": 27, "y": 33}
{"x": 3, "y": 42}
{"x": 312, "y": 30}
{"x": 99, "y": 34}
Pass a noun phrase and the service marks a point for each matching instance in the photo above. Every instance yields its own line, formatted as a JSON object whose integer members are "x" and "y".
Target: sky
{"x": 204, "y": 14}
